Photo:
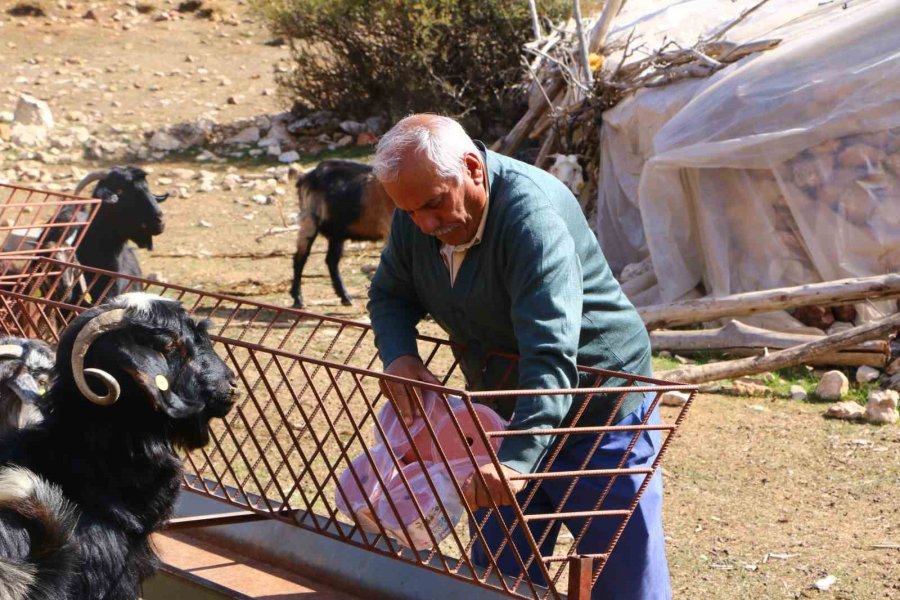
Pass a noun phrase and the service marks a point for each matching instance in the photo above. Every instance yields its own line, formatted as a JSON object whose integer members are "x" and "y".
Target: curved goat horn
{"x": 92, "y": 176}
{"x": 11, "y": 351}
{"x": 102, "y": 323}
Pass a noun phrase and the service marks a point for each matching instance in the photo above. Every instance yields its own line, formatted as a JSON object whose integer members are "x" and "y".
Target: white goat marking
{"x": 139, "y": 302}
{"x": 38, "y": 360}
{"x": 16, "y": 483}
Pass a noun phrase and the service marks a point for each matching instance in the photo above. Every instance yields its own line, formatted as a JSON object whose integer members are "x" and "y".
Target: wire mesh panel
{"x": 314, "y": 443}
{"x": 36, "y": 223}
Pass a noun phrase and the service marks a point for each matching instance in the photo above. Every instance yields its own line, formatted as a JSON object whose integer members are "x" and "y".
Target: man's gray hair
{"x": 441, "y": 140}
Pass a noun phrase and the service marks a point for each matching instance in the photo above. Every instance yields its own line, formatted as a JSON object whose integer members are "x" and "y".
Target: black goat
{"x": 129, "y": 211}
{"x": 25, "y": 370}
{"x": 107, "y": 450}
{"x": 342, "y": 200}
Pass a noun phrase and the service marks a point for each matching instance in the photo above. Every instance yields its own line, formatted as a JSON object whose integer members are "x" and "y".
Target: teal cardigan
{"x": 537, "y": 285}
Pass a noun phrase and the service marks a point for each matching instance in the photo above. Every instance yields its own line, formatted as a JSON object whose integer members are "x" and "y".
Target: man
{"x": 499, "y": 254}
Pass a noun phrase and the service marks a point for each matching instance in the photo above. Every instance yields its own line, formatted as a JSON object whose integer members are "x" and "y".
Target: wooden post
{"x": 535, "y": 23}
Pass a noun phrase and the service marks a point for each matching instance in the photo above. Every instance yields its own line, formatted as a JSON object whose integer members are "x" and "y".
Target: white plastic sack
{"x": 779, "y": 170}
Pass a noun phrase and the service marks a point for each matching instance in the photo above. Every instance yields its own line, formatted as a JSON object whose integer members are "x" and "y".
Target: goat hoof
{"x": 297, "y": 304}
{"x": 346, "y": 301}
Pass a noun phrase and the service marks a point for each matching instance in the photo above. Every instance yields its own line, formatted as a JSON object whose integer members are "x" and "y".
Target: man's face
{"x": 449, "y": 211}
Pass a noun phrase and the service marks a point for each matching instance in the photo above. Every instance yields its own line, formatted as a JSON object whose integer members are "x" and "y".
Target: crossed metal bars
{"x": 38, "y": 223}
{"x": 310, "y": 407}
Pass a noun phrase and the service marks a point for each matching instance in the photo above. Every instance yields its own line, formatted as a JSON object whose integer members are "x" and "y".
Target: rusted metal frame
{"x": 464, "y": 556}
{"x": 517, "y": 521}
{"x": 662, "y": 387}
{"x": 476, "y": 533}
{"x": 181, "y": 523}
{"x": 294, "y": 440}
{"x": 240, "y": 451}
{"x": 580, "y": 577}
{"x": 581, "y": 430}
{"x": 383, "y": 535}
{"x": 659, "y": 456}
{"x": 577, "y": 537}
{"x": 378, "y": 475}
{"x": 548, "y": 463}
{"x": 397, "y": 464}
{"x": 263, "y": 451}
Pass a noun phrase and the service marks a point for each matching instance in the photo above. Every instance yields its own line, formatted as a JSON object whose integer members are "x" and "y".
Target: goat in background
{"x": 81, "y": 492}
{"x": 342, "y": 200}
{"x": 129, "y": 211}
{"x": 25, "y": 371}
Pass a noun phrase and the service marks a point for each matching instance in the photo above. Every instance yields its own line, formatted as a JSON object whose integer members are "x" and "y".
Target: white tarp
{"x": 779, "y": 170}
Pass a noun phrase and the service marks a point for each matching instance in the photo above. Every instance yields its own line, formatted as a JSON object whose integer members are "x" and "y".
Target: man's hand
{"x": 410, "y": 367}
{"x": 478, "y": 495}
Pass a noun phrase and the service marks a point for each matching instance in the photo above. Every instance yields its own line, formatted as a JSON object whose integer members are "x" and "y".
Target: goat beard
{"x": 143, "y": 240}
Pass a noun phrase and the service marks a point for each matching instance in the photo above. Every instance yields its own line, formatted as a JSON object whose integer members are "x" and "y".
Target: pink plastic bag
{"x": 449, "y": 438}
{"x": 397, "y": 439}
{"x": 347, "y": 486}
{"x": 431, "y": 518}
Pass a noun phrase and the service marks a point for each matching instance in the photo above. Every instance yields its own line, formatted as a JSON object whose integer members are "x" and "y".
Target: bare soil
{"x": 764, "y": 497}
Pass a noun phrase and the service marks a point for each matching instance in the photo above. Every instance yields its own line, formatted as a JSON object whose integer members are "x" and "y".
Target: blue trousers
{"x": 637, "y": 568}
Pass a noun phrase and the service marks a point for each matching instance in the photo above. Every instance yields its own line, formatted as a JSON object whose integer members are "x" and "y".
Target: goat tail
{"x": 50, "y": 521}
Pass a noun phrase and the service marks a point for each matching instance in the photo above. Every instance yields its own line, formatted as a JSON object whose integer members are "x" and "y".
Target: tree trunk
{"x": 841, "y": 291}
{"x": 784, "y": 358}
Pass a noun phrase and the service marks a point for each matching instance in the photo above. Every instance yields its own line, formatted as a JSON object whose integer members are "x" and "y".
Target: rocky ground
{"x": 765, "y": 497}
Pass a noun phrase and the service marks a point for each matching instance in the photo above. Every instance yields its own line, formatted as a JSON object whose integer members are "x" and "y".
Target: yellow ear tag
{"x": 89, "y": 298}
{"x": 162, "y": 383}
{"x": 42, "y": 391}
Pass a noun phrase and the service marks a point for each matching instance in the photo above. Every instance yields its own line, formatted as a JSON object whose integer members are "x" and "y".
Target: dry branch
{"x": 841, "y": 291}
{"x": 784, "y": 358}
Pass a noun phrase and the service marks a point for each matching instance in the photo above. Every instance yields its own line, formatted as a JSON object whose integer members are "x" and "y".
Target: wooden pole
{"x": 784, "y": 358}
{"x": 582, "y": 45}
{"x": 535, "y": 23}
{"x": 601, "y": 28}
{"x": 842, "y": 291}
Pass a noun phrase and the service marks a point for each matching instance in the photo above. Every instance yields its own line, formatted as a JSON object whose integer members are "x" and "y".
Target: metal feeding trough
{"x": 311, "y": 442}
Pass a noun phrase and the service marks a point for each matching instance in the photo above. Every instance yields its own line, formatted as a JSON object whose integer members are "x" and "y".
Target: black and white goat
{"x": 342, "y": 200}
{"x": 129, "y": 211}
{"x": 25, "y": 370}
{"x": 80, "y": 492}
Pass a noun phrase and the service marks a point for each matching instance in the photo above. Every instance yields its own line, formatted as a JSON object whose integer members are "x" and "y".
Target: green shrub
{"x": 392, "y": 57}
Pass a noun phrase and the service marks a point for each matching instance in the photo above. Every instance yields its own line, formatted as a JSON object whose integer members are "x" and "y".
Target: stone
{"x": 848, "y": 411}
{"x": 261, "y": 199}
{"x": 865, "y": 374}
{"x": 832, "y": 386}
{"x": 28, "y": 135}
{"x": 236, "y": 99}
{"x": 353, "y": 127}
{"x": 278, "y": 134}
{"x": 344, "y": 141}
{"x": 31, "y": 111}
{"x": 674, "y": 398}
{"x": 747, "y": 387}
{"x": 289, "y": 157}
{"x": 881, "y": 407}
{"x": 894, "y": 367}
{"x": 797, "y": 392}
{"x": 164, "y": 142}
{"x": 6, "y": 116}
{"x": 248, "y": 135}
{"x": 376, "y": 125}
{"x": 824, "y": 584}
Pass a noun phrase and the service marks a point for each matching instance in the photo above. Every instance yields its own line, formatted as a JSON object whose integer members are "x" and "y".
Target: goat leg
{"x": 332, "y": 258}
{"x": 304, "y": 247}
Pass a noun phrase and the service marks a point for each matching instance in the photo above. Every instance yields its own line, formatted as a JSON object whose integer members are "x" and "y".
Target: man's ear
{"x": 474, "y": 167}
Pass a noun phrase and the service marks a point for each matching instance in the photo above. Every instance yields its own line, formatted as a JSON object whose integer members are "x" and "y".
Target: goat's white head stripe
{"x": 139, "y": 302}
{"x": 102, "y": 323}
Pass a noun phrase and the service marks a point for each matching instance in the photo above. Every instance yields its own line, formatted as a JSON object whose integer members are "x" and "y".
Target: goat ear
{"x": 150, "y": 371}
{"x": 105, "y": 194}
{"x": 25, "y": 387}
{"x": 161, "y": 197}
